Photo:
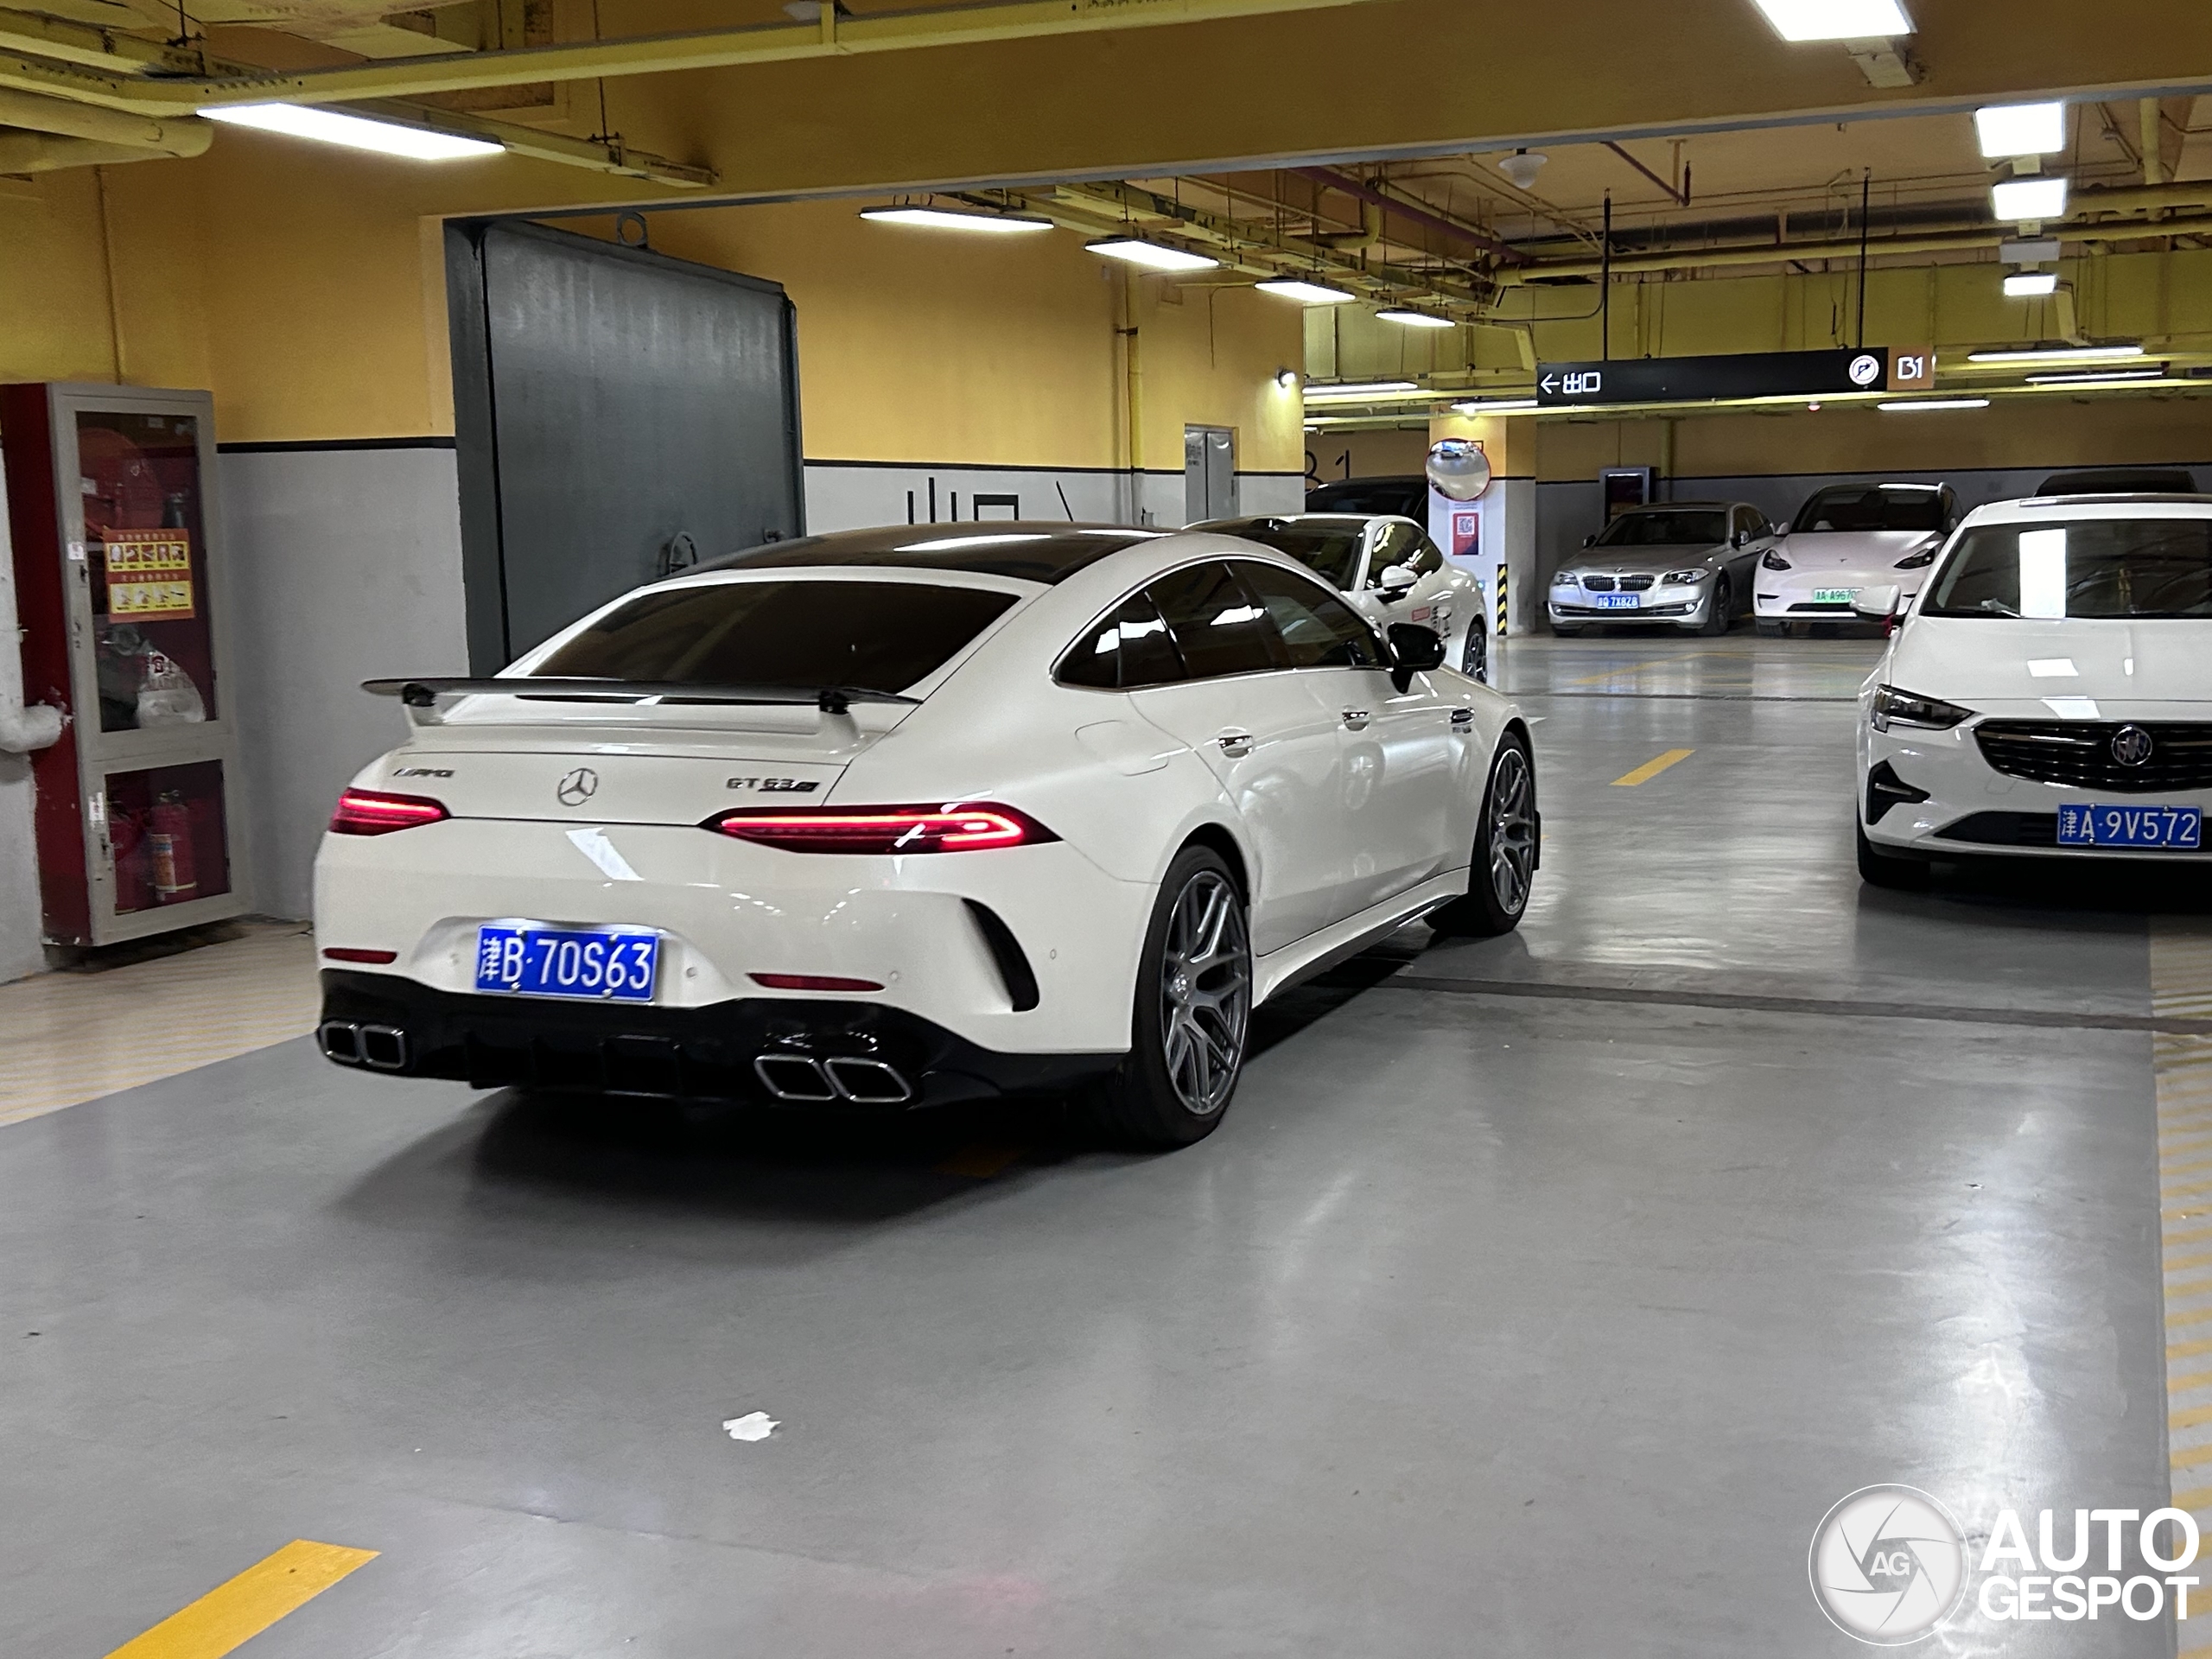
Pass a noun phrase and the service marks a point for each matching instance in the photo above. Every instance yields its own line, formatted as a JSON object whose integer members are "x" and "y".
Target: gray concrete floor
{"x": 1538, "y": 1297}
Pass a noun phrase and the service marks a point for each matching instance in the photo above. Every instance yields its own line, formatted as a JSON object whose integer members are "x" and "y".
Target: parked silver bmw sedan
{"x": 1687, "y": 563}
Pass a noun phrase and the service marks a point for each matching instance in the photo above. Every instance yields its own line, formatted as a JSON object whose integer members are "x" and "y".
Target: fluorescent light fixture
{"x": 354, "y": 131}
{"x": 2042, "y": 573}
{"x": 951, "y": 219}
{"x": 1352, "y": 391}
{"x": 1836, "y": 19}
{"x": 2020, "y": 129}
{"x": 1501, "y": 406}
{"x": 2099, "y": 377}
{"x": 1310, "y": 293}
{"x": 2028, "y": 285}
{"x": 1152, "y": 256}
{"x": 2028, "y": 199}
{"x": 1412, "y": 319}
{"x": 1898, "y": 406}
{"x": 2058, "y": 354}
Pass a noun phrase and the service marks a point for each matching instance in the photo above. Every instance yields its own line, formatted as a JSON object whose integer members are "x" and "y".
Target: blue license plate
{"x": 2179, "y": 828}
{"x": 599, "y": 965}
{"x": 1618, "y": 602}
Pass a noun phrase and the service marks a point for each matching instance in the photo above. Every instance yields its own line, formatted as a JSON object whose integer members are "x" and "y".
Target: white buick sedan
{"x": 903, "y": 816}
{"x": 2045, "y": 695}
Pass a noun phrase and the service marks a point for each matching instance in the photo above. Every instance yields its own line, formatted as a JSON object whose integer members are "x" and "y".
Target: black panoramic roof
{"x": 1041, "y": 551}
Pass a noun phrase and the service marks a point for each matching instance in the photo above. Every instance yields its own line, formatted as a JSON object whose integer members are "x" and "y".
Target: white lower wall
{"x": 345, "y": 564}
{"x": 855, "y": 495}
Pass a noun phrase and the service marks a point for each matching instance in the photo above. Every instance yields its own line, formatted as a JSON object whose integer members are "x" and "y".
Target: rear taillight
{"x": 371, "y": 812}
{"x": 948, "y": 829}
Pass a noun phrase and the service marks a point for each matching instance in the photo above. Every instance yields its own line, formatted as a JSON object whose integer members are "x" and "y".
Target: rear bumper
{"x": 391, "y": 1024}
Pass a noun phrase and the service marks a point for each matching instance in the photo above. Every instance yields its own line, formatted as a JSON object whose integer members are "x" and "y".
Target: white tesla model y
{"x": 902, "y": 817}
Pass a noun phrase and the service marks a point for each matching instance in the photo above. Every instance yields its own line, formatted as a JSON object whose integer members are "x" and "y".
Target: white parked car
{"x": 1848, "y": 536}
{"x": 2045, "y": 695}
{"x": 910, "y": 816}
{"x": 1385, "y": 565}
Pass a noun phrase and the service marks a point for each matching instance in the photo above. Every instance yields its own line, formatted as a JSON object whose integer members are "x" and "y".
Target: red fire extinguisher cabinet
{"x": 121, "y": 594}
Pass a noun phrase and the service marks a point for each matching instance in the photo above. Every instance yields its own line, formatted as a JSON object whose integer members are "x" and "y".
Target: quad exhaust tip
{"x": 800, "y": 1078}
{"x": 381, "y": 1048}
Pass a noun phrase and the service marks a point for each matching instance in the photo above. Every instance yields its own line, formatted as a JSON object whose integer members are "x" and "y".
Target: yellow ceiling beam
{"x": 716, "y": 48}
{"x": 177, "y": 136}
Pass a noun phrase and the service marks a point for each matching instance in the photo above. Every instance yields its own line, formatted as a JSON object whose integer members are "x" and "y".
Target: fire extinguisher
{"x": 128, "y": 838}
{"x": 169, "y": 840}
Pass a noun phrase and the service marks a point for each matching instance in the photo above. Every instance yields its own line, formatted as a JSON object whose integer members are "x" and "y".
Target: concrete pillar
{"x": 1505, "y": 516}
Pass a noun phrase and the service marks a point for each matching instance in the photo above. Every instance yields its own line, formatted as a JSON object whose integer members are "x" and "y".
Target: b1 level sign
{"x": 1703, "y": 379}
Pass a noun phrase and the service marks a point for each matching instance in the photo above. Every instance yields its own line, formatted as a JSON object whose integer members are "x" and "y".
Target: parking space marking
{"x": 2181, "y": 1065}
{"x": 980, "y": 1161}
{"x": 1651, "y": 768}
{"x": 236, "y": 1612}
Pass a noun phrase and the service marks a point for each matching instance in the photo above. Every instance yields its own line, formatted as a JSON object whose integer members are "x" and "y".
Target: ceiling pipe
{"x": 1423, "y": 216}
{"x": 828, "y": 34}
{"x": 181, "y": 136}
{"x": 50, "y": 152}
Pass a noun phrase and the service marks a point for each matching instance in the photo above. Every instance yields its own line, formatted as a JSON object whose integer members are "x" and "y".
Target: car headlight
{"x": 1683, "y": 578}
{"x": 1567, "y": 578}
{"x": 1922, "y": 559}
{"x": 1895, "y": 708}
{"x": 1771, "y": 560}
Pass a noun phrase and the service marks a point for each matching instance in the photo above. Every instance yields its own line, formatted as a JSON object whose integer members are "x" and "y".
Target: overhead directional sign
{"x": 1703, "y": 379}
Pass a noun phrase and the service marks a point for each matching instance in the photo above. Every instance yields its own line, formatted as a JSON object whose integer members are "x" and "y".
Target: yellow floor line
{"x": 2181, "y": 1068}
{"x": 1652, "y": 768}
{"x": 233, "y": 1613}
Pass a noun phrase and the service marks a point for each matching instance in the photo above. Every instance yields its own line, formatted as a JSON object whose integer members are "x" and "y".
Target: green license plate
{"x": 1832, "y": 595}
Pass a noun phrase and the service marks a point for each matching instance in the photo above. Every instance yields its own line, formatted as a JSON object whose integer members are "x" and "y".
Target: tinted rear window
{"x": 1866, "y": 506}
{"x": 1218, "y": 627}
{"x": 877, "y": 636}
{"x": 1127, "y": 649}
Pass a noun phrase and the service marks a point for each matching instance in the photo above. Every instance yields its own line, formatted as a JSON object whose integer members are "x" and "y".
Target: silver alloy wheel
{"x": 1206, "y": 993}
{"x": 1512, "y": 829}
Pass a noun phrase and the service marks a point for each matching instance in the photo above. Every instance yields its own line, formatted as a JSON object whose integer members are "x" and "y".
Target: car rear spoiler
{"x": 426, "y": 694}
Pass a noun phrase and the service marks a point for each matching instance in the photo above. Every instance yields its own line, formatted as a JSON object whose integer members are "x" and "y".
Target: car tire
{"x": 1771, "y": 630}
{"x": 1504, "y": 869}
{"x": 1192, "y": 1016}
{"x": 1880, "y": 869}
{"x": 1716, "y": 612}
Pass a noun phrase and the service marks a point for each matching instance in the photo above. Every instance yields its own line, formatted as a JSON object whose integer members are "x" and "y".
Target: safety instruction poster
{"x": 149, "y": 574}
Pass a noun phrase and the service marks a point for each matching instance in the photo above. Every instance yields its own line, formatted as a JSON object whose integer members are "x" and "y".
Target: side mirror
{"x": 1414, "y": 650}
{"x": 1590, "y": 540}
{"x": 1395, "y": 580}
{"x": 1878, "y": 602}
{"x": 1779, "y": 531}
{"x": 1741, "y": 538}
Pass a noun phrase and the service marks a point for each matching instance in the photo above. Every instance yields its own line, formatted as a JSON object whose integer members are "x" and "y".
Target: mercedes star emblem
{"x": 582, "y": 784}
{"x": 2131, "y": 745}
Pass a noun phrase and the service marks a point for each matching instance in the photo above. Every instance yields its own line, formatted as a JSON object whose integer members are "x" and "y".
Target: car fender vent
{"x": 1006, "y": 950}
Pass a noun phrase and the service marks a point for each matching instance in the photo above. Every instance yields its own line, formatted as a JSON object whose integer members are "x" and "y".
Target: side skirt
{"x": 1320, "y": 952}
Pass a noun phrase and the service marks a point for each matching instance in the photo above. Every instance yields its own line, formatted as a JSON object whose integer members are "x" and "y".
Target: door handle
{"x": 1463, "y": 720}
{"x": 1235, "y": 745}
{"x": 1357, "y": 719}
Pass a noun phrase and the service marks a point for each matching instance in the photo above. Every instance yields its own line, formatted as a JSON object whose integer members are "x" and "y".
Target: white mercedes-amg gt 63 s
{"x": 1388, "y": 567}
{"x": 2046, "y": 695}
{"x": 901, "y": 816}
{"x": 1845, "y": 537}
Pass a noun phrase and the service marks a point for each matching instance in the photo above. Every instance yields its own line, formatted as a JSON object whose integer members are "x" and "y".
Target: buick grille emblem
{"x": 2131, "y": 745}
{"x": 582, "y": 784}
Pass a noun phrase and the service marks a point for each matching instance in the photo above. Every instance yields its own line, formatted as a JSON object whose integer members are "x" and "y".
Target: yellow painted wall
{"x": 304, "y": 287}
